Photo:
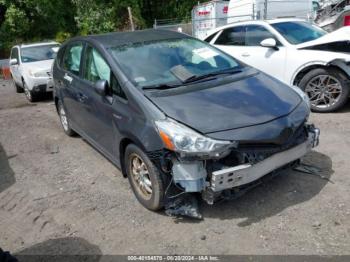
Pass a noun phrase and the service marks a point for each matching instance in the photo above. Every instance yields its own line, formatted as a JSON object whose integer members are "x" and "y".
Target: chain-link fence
{"x": 174, "y": 25}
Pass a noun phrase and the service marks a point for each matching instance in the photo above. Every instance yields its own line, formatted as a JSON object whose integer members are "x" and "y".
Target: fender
{"x": 342, "y": 64}
{"x": 302, "y": 67}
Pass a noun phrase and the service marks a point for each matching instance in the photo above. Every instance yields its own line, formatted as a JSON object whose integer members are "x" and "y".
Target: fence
{"x": 174, "y": 25}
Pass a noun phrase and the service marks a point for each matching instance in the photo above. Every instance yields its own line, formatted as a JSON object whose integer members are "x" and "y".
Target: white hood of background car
{"x": 44, "y": 65}
{"x": 342, "y": 34}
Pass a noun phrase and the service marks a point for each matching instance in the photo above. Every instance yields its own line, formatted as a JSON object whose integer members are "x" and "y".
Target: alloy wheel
{"x": 140, "y": 176}
{"x": 324, "y": 91}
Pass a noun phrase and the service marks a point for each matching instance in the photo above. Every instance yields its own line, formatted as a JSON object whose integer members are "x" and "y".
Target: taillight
{"x": 347, "y": 20}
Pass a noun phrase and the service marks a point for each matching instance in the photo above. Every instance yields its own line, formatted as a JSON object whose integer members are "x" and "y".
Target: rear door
{"x": 15, "y": 68}
{"x": 105, "y": 111}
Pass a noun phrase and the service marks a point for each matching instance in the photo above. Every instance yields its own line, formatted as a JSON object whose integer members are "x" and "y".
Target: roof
{"x": 38, "y": 44}
{"x": 122, "y": 38}
{"x": 281, "y": 20}
{"x": 256, "y": 22}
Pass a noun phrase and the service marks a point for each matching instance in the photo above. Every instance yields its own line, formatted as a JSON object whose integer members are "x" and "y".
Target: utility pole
{"x": 130, "y": 19}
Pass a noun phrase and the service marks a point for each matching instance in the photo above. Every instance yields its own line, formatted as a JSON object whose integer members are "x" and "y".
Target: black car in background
{"x": 174, "y": 112}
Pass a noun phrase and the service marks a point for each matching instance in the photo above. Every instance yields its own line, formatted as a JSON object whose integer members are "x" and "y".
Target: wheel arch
{"x": 122, "y": 147}
{"x": 336, "y": 63}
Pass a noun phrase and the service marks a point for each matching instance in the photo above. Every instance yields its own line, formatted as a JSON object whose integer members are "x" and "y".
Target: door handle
{"x": 245, "y": 54}
{"x": 68, "y": 78}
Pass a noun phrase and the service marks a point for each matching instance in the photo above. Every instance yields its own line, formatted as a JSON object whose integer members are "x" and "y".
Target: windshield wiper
{"x": 193, "y": 79}
{"x": 211, "y": 76}
{"x": 159, "y": 86}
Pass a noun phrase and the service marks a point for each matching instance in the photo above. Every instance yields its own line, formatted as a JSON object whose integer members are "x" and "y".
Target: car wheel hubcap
{"x": 140, "y": 176}
{"x": 324, "y": 91}
{"x": 64, "y": 119}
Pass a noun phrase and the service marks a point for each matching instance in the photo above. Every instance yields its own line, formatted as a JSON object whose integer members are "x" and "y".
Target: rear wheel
{"x": 144, "y": 177}
{"x": 64, "y": 120}
{"x": 327, "y": 89}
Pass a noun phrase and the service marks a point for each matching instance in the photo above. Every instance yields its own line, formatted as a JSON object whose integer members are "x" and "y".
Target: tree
{"x": 106, "y": 16}
{"x": 37, "y": 20}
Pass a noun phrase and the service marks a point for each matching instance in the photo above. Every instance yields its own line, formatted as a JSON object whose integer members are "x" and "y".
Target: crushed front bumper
{"x": 246, "y": 173}
{"x": 241, "y": 166}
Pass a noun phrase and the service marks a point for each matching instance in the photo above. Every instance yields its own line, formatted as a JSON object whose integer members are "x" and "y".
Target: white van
{"x": 241, "y": 10}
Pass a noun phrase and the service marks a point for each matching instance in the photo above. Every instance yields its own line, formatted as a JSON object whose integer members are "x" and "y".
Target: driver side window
{"x": 96, "y": 68}
{"x": 14, "y": 54}
{"x": 255, "y": 34}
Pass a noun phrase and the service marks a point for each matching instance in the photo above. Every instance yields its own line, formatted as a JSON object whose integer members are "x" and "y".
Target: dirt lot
{"x": 58, "y": 194}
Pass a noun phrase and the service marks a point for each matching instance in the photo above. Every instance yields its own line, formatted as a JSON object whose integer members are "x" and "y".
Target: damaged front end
{"x": 241, "y": 166}
{"x": 230, "y": 169}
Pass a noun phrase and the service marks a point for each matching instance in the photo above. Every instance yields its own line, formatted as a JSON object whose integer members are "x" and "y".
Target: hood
{"x": 247, "y": 99}
{"x": 44, "y": 65}
{"x": 340, "y": 35}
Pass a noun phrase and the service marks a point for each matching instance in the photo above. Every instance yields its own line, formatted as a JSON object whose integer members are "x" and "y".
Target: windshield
{"x": 39, "y": 53}
{"x": 153, "y": 63}
{"x": 299, "y": 32}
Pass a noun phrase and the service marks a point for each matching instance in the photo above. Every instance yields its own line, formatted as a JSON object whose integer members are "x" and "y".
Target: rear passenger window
{"x": 72, "y": 57}
{"x": 96, "y": 68}
{"x": 232, "y": 36}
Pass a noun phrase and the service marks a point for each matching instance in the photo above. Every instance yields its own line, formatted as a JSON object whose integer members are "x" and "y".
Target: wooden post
{"x": 130, "y": 19}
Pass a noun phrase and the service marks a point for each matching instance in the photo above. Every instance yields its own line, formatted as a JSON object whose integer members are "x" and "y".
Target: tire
{"x": 30, "y": 95}
{"x": 18, "y": 88}
{"x": 64, "y": 120}
{"x": 154, "y": 200}
{"x": 327, "y": 89}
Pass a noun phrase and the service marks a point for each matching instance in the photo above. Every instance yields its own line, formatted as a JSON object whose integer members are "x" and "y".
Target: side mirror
{"x": 270, "y": 43}
{"x": 13, "y": 61}
{"x": 101, "y": 87}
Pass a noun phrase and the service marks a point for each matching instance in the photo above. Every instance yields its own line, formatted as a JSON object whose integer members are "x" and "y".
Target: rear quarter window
{"x": 59, "y": 57}
{"x": 72, "y": 58}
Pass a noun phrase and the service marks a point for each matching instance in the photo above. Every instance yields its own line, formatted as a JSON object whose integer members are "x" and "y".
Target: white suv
{"x": 295, "y": 52}
{"x": 30, "y": 67}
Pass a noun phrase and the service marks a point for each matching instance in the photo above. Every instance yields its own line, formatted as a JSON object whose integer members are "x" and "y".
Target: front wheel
{"x": 328, "y": 89}
{"x": 18, "y": 88}
{"x": 30, "y": 95}
{"x": 144, "y": 177}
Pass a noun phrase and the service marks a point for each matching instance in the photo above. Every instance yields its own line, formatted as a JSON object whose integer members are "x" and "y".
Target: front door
{"x": 271, "y": 61}
{"x": 102, "y": 125}
{"x": 243, "y": 42}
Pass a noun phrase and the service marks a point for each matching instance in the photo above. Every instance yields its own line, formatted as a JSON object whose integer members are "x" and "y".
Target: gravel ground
{"x": 59, "y": 195}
